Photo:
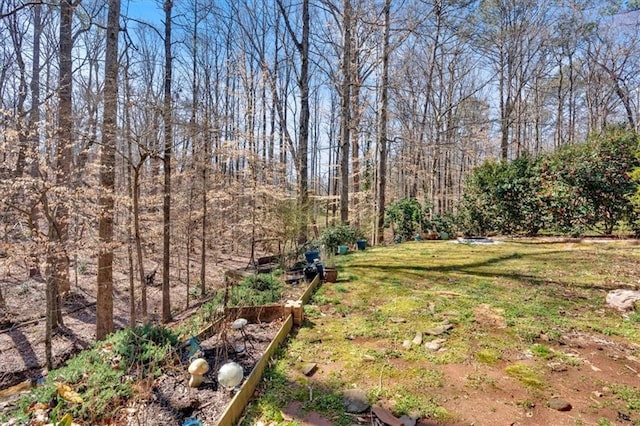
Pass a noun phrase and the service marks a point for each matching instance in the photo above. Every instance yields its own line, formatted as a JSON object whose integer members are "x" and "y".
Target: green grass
{"x": 540, "y": 291}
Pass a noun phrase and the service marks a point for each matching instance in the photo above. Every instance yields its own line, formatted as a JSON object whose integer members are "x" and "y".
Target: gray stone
{"x": 355, "y": 401}
{"x": 441, "y": 329}
{"x": 559, "y": 404}
{"x": 623, "y": 300}
{"x": 386, "y": 417}
{"x": 309, "y": 369}
{"x": 406, "y": 344}
{"x": 418, "y": 339}
{"x": 432, "y": 346}
{"x": 408, "y": 421}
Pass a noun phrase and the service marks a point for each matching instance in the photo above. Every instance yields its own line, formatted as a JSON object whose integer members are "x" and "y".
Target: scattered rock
{"x": 355, "y": 401}
{"x": 597, "y": 394}
{"x": 309, "y": 369}
{"x": 434, "y": 345}
{"x": 408, "y": 421}
{"x": 418, "y": 339}
{"x": 406, "y": 344}
{"x": 559, "y": 404}
{"x": 386, "y": 417}
{"x": 397, "y": 320}
{"x": 441, "y": 329}
{"x": 624, "y": 417}
{"x": 623, "y": 300}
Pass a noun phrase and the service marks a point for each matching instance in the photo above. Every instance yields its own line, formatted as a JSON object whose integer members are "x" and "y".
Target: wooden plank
{"x": 312, "y": 286}
{"x": 263, "y": 313}
{"x": 241, "y": 399}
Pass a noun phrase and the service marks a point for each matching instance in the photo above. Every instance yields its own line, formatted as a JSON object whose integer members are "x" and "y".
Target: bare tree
{"x": 382, "y": 125}
{"x": 104, "y": 309}
{"x": 168, "y": 146}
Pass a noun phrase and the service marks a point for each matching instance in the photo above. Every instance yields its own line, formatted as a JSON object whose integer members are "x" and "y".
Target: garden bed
{"x": 170, "y": 401}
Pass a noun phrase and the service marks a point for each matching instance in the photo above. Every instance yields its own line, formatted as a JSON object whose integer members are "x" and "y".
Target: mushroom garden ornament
{"x": 197, "y": 369}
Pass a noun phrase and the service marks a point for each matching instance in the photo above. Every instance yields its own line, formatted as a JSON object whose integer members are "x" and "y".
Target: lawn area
{"x": 466, "y": 334}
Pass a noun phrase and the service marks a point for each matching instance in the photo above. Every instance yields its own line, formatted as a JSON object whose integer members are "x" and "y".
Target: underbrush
{"x": 93, "y": 385}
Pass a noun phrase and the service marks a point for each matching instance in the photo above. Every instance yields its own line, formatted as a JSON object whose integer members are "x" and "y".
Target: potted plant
{"x": 329, "y": 270}
{"x": 339, "y": 235}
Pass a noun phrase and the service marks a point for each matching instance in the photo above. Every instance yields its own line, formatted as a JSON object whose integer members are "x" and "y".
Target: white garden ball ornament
{"x": 230, "y": 375}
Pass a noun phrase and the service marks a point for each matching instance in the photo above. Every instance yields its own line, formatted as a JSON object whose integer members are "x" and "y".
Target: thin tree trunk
{"x": 345, "y": 113}
{"x": 104, "y": 307}
{"x": 34, "y": 128}
{"x": 65, "y": 141}
{"x": 382, "y": 125}
{"x": 168, "y": 142}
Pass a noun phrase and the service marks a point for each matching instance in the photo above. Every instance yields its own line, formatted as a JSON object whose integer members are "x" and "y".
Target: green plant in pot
{"x": 339, "y": 235}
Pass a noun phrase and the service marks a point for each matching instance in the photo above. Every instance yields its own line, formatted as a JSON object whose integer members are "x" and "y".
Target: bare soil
{"x": 22, "y": 323}
{"x": 169, "y": 400}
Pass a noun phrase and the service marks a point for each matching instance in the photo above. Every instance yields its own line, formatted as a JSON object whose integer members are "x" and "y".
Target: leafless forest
{"x": 175, "y": 135}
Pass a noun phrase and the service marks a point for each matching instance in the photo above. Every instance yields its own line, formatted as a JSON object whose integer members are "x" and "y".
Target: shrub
{"x": 342, "y": 234}
{"x": 260, "y": 289}
{"x": 503, "y": 197}
{"x": 103, "y": 376}
{"x": 406, "y": 216}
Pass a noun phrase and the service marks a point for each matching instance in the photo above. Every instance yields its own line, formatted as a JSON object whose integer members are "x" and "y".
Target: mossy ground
{"x": 528, "y": 319}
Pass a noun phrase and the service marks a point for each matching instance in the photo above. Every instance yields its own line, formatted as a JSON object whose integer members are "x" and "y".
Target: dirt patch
{"x": 170, "y": 401}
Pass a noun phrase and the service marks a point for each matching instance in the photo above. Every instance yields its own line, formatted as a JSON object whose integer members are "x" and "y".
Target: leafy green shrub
{"x": 406, "y": 216}
{"x": 93, "y": 384}
{"x": 338, "y": 235}
{"x": 260, "y": 289}
{"x": 590, "y": 184}
{"x": 503, "y": 197}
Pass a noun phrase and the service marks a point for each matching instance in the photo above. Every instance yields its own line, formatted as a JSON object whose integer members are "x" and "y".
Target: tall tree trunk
{"x": 303, "y": 126}
{"x": 104, "y": 307}
{"x": 382, "y": 125}
{"x": 65, "y": 141}
{"x": 302, "y": 157}
{"x": 34, "y": 129}
{"x": 345, "y": 111}
{"x": 168, "y": 142}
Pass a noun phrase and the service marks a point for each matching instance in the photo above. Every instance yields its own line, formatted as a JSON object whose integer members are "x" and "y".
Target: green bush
{"x": 104, "y": 376}
{"x": 338, "y": 235}
{"x": 260, "y": 289}
{"x": 503, "y": 197}
{"x": 579, "y": 187}
{"x": 406, "y": 216}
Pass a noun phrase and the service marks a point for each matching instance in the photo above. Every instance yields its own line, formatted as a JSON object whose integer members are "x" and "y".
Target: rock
{"x": 441, "y": 329}
{"x": 386, "y": 417}
{"x": 355, "y": 401}
{"x": 418, "y": 339}
{"x": 623, "y": 300}
{"x": 559, "y": 404}
{"x": 309, "y": 369}
{"x": 397, "y": 320}
{"x": 406, "y": 344}
{"x": 408, "y": 421}
{"x": 433, "y": 346}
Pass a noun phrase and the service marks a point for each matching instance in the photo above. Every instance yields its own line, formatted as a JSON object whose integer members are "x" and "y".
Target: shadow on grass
{"x": 473, "y": 269}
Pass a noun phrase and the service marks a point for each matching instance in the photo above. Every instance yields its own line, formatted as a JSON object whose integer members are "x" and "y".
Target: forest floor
{"x": 442, "y": 333}
{"x": 511, "y": 333}
{"x": 22, "y": 323}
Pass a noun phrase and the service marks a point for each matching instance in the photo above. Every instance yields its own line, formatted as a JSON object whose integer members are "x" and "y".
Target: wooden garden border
{"x": 267, "y": 313}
